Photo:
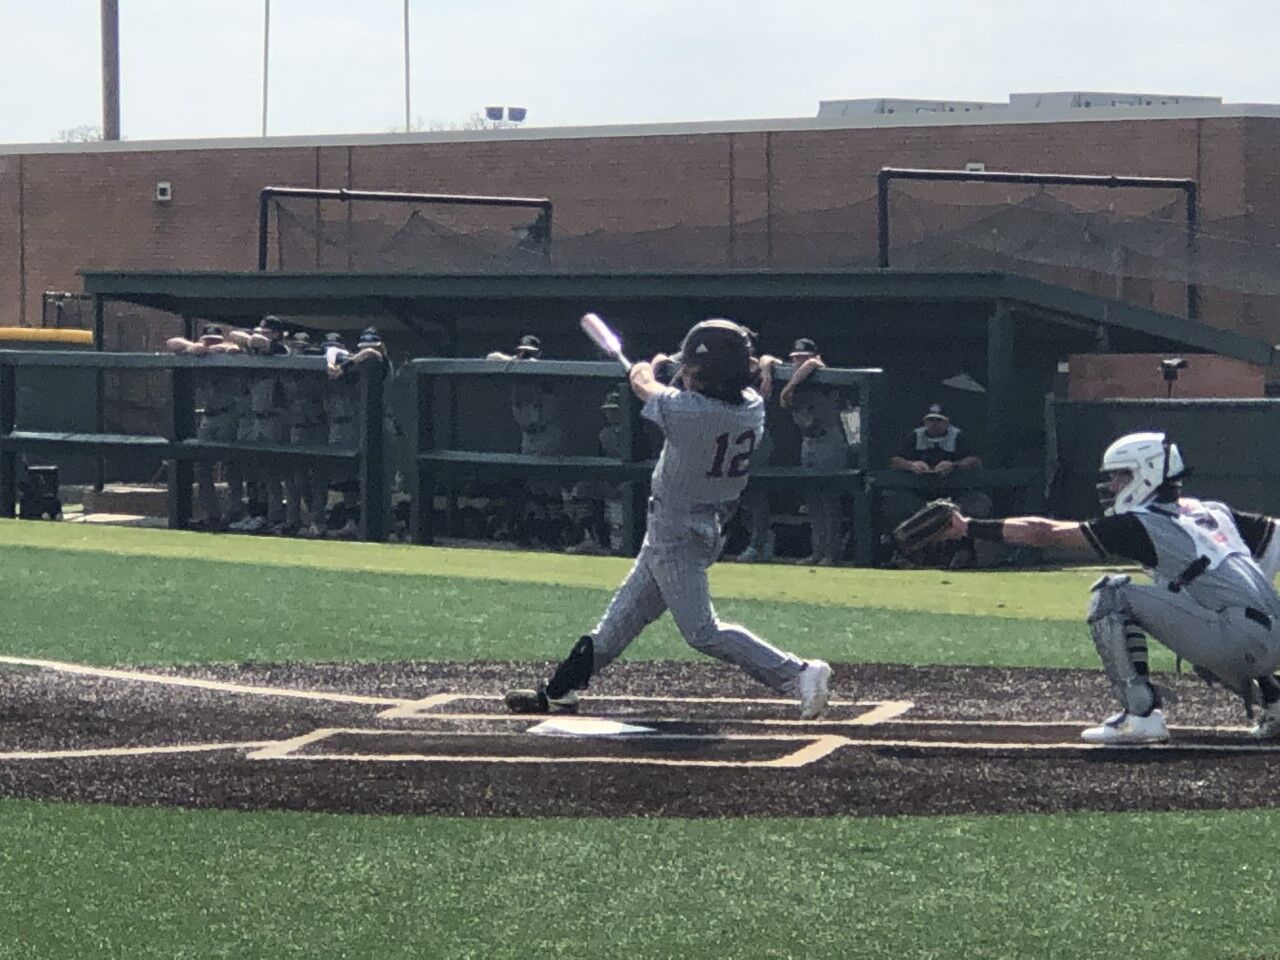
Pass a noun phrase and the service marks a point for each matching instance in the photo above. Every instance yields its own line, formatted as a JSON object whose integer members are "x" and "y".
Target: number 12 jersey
{"x": 708, "y": 447}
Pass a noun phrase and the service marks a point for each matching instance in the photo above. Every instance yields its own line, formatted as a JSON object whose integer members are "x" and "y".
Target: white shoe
{"x": 254, "y": 524}
{"x": 1268, "y": 726}
{"x": 810, "y": 687}
{"x": 749, "y": 555}
{"x": 1126, "y": 728}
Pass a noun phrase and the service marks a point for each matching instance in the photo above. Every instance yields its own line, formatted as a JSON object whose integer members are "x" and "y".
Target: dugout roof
{"x": 874, "y": 303}
{"x": 1007, "y": 332}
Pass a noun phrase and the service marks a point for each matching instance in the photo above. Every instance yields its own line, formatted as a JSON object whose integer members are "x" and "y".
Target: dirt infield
{"x": 433, "y": 739}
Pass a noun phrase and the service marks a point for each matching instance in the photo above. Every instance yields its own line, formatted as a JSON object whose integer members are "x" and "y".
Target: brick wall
{"x": 783, "y": 198}
{"x": 1096, "y": 376}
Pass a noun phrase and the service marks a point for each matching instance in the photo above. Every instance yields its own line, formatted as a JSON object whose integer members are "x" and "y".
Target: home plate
{"x": 585, "y": 727}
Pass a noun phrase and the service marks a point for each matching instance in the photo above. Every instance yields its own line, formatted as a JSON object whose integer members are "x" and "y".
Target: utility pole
{"x": 406, "y": 66}
{"x": 110, "y": 69}
{"x": 266, "y": 58}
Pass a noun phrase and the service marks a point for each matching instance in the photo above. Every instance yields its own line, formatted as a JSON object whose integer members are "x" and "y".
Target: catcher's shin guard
{"x": 1121, "y": 646}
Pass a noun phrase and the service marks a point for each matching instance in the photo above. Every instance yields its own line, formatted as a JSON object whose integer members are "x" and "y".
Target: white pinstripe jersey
{"x": 708, "y": 448}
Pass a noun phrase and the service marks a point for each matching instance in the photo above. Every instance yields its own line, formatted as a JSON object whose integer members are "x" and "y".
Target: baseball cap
{"x": 333, "y": 339}
{"x": 935, "y": 413}
{"x": 529, "y": 344}
{"x": 301, "y": 337}
{"x": 369, "y": 335}
{"x": 271, "y": 322}
{"x": 212, "y": 330}
{"x": 804, "y": 345}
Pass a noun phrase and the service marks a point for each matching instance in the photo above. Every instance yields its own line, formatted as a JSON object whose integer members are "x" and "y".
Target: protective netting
{"x": 1124, "y": 243}
{"x": 411, "y": 238}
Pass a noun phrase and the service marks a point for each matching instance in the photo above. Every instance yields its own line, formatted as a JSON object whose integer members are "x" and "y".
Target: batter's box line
{"x": 882, "y": 711}
{"x": 813, "y": 748}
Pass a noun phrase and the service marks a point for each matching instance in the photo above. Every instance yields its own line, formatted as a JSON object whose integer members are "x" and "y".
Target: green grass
{"x": 98, "y": 881}
{"x": 1055, "y": 596}
{"x": 92, "y": 882}
{"x": 97, "y": 608}
{"x": 111, "y": 595}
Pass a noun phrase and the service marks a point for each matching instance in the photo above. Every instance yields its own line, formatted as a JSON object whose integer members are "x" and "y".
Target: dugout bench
{"x": 178, "y": 447}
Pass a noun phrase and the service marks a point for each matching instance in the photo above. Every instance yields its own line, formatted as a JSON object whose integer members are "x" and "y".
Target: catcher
{"x": 1210, "y": 600}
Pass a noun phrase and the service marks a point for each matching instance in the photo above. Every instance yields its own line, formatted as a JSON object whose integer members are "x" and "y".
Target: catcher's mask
{"x": 1137, "y": 469}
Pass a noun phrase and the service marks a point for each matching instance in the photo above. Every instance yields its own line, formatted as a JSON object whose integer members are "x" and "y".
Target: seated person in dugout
{"x": 936, "y": 448}
{"x": 1212, "y": 600}
{"x": 216, "y": 422}
{"x": 823, "y": 447}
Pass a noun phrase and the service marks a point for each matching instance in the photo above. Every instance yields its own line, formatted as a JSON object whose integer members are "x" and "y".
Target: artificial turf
{"x": 105, "y": 596}
{"x": 98, "y": 881}
{"x": 91, "y": 882}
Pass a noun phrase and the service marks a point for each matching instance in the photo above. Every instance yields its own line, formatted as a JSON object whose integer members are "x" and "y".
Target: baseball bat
{"x": 604, "y": 337}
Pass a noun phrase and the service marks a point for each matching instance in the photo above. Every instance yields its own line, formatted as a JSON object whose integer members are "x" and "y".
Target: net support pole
{"x": 264, "y": 217}
{"x": 882, "y": 216}
{"x": 1193, "y": 290}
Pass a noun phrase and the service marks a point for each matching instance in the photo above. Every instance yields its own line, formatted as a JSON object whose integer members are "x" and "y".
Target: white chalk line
{"x": 812, "y": 748}
{"x": 427, "y": 708}
{"x": 91, "y": 752}
{"x": 220, "y": 686}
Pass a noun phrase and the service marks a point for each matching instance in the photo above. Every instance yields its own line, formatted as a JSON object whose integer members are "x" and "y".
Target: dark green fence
{"x": 1230, "y": 446}
{"x": 178, "y": 446}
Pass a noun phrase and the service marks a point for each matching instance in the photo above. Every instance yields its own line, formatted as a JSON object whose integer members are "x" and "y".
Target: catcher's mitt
{"x": 924, "y": 528}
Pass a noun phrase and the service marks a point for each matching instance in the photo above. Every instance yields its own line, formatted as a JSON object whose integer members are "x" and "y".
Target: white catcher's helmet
{"x": 1150, "y": 458}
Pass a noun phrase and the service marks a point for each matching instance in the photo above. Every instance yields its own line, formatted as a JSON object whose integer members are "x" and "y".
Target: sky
{"x": 193, "y": 68}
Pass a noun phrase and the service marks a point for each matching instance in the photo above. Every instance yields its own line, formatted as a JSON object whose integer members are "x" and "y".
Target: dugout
{"x": 57, "y": 399}
{"x": 986, "y": 344}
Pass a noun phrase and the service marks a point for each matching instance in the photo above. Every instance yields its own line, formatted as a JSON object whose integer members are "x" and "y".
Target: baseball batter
{"x": 710, "y": 429}
{"x": 1210, "y": 601}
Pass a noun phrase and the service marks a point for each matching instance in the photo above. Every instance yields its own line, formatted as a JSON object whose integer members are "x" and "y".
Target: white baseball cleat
{"x": 1126, "y": 729}
{"x": 811, "y": 688}
{"x": 1268, "y": 726}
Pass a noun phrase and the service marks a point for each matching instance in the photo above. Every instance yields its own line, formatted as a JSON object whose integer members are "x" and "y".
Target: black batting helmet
{"x": 720, "y": 349}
